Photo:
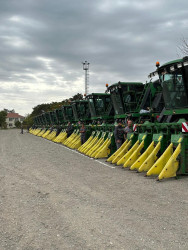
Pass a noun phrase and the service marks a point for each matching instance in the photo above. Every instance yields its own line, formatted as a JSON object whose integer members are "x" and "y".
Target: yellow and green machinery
{"x": 161, "y": 147}
{"x": 158, "y": 145}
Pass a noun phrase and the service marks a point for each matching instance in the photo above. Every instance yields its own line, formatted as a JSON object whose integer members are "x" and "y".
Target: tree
{"x": 40, "y": 108}
{"x": 3, "y": 115}
{"x": 28, "y": 121}
{"x": 9, "y": 110}
{"x": 45, "y": 107}
{"x": 77, "y": 97}
{"x": 18, "y": 124}
{"x": 183, "y": 48}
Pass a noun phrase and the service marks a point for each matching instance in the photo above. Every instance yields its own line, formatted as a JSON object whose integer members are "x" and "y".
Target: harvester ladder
{"x": 161, "y": 115}
{"x": 157, "y": 100}
{"x": 143, "y": 97}
{"x": 109, "y": 108}
{"x": 118, "y": 102}
{"x": 87, "y": 113}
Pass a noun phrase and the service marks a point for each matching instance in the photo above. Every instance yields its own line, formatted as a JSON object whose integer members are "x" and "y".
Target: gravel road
{"x": 54, "y": 198}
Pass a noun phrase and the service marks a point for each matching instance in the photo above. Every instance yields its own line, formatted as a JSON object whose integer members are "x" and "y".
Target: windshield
{"x": 43, "y": 119}
{"x": 47, "y": 115}
{"x": 75, "y": 111}
{"x": 125, "y": 99}
{"x": 69, "y": 113}
{"x": 53, "y": 117}
{"x": 82, "y": 110}
{"x": 92, "y": 107}
{"x": 102, "y": 105}
{"x": 174, "y": 92}
{"x": 59, "y": 115}
{"x": 99, "y": 106}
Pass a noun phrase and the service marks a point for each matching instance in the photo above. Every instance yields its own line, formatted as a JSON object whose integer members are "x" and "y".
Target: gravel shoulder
{"x": 53, "y": 198}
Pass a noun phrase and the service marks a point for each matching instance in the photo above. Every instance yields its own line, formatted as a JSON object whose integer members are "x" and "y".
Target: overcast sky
{"x": 43, "y": 42}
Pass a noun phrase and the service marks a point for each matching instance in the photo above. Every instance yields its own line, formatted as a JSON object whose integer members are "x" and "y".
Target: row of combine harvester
{"x": 158, "y": 144}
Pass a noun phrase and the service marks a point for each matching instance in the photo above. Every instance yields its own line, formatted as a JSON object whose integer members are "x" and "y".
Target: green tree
{"x": 9, "y": 110}
{"x": 45, "y": 107}
{"x": 3, "y": 115}
{"x": 28, "y": 121}
{"x": 18, "y": 124}
{"x": 40, "y": 108}
{"x": 77, "y": 97}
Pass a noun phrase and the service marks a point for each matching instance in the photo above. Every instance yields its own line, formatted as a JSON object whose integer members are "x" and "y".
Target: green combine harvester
{"x": 159, "y": 109}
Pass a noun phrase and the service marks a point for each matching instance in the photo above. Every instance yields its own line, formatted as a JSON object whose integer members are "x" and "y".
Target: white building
{"x": 12, "y": 118}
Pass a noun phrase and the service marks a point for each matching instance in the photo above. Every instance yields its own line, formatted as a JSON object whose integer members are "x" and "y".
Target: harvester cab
{"x": 173, "y": 78}
{"x": 37, "y": 121}
{"x": 140, "y": 102}
{"x": 53, "y": 117}
{"x": 59, "y": 115}
{"x": 151, "y": 102}
{"x": 67, "y": 113}
{"x": 100, "y": 106}
{"x": 41, "y": 120}
{"x": 125, "y": 97}
{"x": 47, "y": 118}
{"x": 81, "y": 110}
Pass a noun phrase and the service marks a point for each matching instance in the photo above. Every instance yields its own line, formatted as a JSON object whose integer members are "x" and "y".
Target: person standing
{"x": 28, "y": 127}
{"x": 83, "y": 133}
{"x": 119, "y": 134}
{"x": 128, "y": 128}
{"x": 21, "y": 129}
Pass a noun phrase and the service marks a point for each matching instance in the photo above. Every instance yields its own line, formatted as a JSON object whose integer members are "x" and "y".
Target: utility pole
{"x": 86, "y": 68}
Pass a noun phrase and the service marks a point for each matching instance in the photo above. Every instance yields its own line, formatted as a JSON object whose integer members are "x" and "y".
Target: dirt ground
{"x": 54, "y": 198}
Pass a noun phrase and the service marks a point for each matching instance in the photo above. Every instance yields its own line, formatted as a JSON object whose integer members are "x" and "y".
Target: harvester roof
{"x": 66, "y": 106}
{"x": 98, "y": 94}
{"x": 178, "y": 63}
{"x": 79, "y": 101}
{"x": 172, "y": 62}
{"x": 126, "y": 83}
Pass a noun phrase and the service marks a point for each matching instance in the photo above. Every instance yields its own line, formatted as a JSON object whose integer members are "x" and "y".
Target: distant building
{"x": 12, "y": 118}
